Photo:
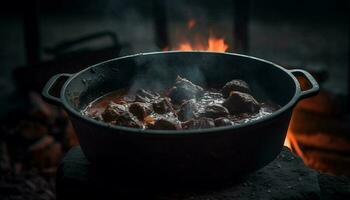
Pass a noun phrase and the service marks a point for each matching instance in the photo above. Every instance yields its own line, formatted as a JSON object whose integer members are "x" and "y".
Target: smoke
{"x": 158, "y": 72}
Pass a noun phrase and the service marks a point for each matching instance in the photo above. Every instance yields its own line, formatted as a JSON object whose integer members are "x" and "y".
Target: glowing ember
{"x": 212, "y": 43}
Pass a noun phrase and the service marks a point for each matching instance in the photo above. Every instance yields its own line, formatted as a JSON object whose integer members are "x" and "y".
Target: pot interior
{"x": 159, "y": 71}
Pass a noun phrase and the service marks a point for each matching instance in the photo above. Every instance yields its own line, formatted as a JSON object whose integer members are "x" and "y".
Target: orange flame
{"x": 292, "y": 143}
{"x": 217, "y": 44}
{"x": 211, "y": 44}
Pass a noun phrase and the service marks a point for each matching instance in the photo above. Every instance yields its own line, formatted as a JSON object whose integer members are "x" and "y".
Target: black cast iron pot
{"x": 190, "y": 155}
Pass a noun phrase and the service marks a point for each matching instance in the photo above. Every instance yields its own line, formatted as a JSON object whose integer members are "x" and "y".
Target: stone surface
{"x": 335, "y": 188}
{"x": 284, "y": 178}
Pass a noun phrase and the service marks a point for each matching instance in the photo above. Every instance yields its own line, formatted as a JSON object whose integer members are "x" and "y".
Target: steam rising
{"x": 161, "y": 74}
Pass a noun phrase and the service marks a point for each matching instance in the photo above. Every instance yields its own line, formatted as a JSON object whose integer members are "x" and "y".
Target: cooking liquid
{"x": 96, "y": 108}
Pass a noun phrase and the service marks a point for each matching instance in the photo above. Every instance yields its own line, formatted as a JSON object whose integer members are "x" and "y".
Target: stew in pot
{"x": 183, "y": 106}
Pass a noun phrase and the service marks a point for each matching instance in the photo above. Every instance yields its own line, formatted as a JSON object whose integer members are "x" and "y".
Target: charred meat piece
{"x": 140, "y": 110}
{"x": 214, "y": 111}
{"x": 198, "y": 123}
{"x": 165, "y": 124}
{"x": 238, "y": 103}
{"x": 127, "y": 119}
{"x": 223, "y": 121}
{"x": 145, "y": 96}
{"x": 188, "y": 110}
{"x": 119, "y": 115}
{"x": 184, "y": 90}
{"x": 112, "y": 111}
{"x": 235, "y": 85}
{"x": 162, "y": 106}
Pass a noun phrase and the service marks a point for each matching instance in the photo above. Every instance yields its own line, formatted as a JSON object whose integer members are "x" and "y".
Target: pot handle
{"x": 51, "y": 85}
{"x": 315, "y": 88}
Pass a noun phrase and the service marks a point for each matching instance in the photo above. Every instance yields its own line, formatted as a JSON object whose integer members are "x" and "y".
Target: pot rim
{"x": 296, "y": 97}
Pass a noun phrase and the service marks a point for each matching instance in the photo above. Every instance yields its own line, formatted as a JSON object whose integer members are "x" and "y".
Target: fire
{"x": 212, "y": 43}
{"x": 292, "y": 143}
{"x": 217, "y": 44}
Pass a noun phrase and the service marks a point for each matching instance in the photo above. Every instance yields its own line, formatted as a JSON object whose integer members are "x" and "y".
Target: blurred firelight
{"x": 212, "y": 43}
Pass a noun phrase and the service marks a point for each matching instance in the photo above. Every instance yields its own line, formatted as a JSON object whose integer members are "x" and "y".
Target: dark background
{"x": 295, "y": 33}
{"x": 34, "y": 135}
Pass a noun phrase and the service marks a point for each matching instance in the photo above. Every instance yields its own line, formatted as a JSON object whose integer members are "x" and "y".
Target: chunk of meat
{"x": 188, "y": 110}
{"x": 235, "y": 85}
{"x": 223, "y": 121}
{"x": 112, "y": 111}
{"x": 184, "y": 106}
{"x": 127, "y": 119}
{"x": 184, "y": 90}
{"x": 198, "y": 123}
{"x": 140, "y": 110}
{"x": 238, "y": 103}
{"x": 165, "y": 124}
{"x": 214, "y": 111}
{"x": 118, "y": 114}
{"x": 162, "y": 106}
